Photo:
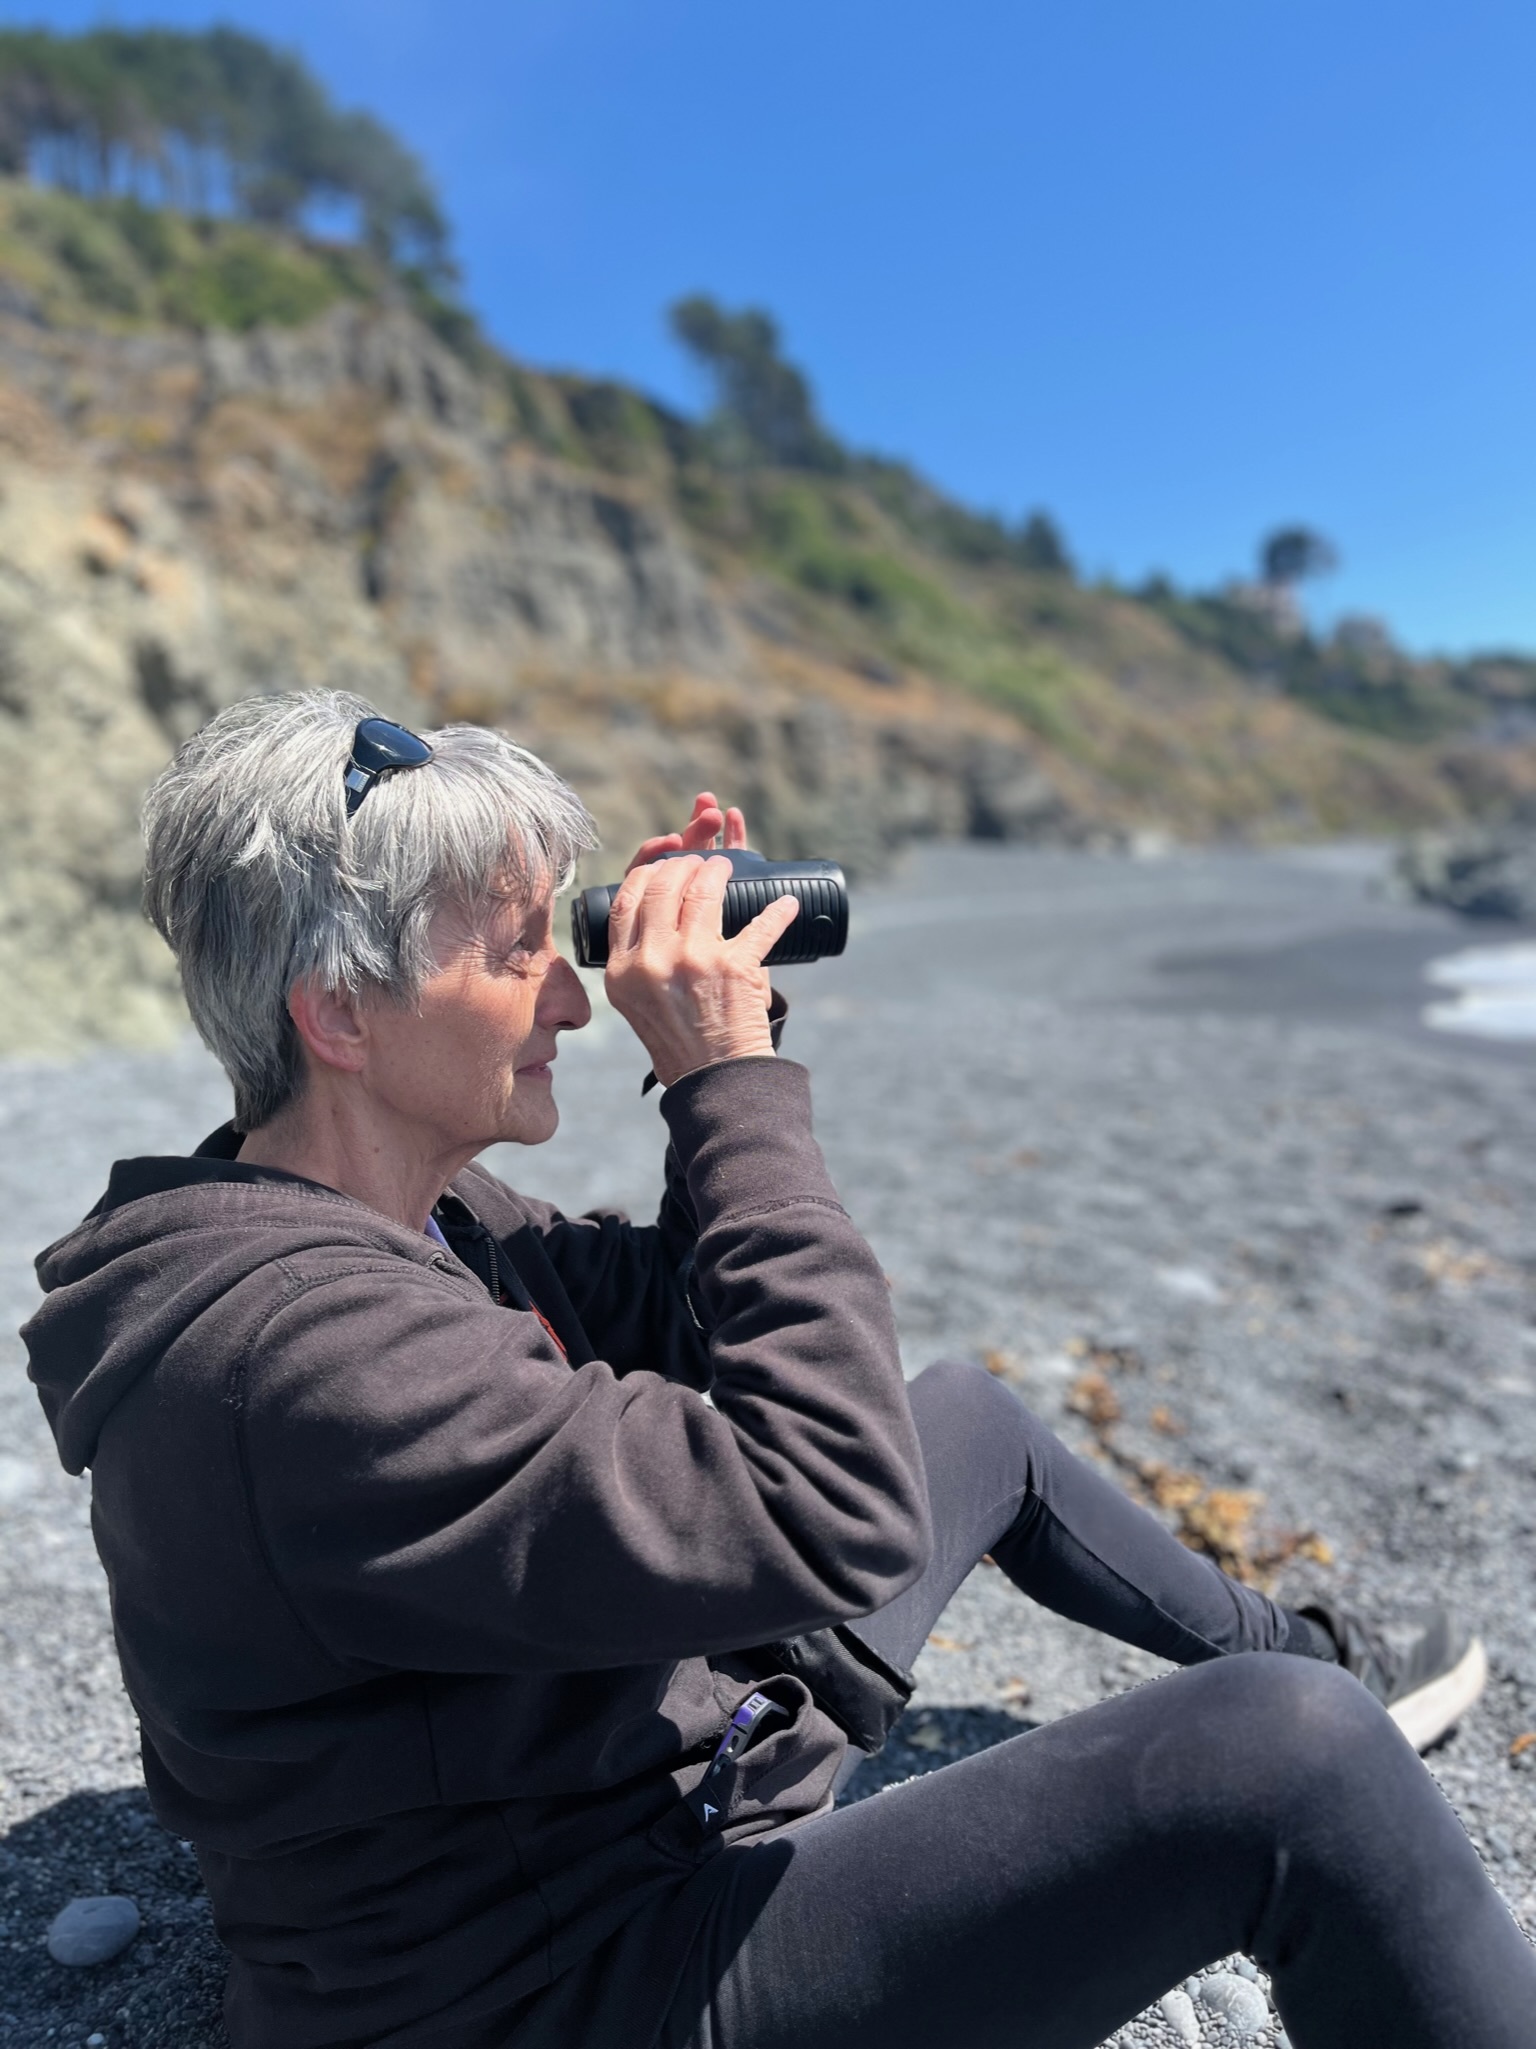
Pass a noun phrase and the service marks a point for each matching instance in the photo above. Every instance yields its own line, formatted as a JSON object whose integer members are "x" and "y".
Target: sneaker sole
{"x": 1426, "y": 1714}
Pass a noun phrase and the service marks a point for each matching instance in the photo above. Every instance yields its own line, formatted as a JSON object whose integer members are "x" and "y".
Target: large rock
{"x": 1483, "y": 871}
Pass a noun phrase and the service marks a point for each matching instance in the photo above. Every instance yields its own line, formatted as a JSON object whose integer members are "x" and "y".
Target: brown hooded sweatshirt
{"x": 427, "y": 1567}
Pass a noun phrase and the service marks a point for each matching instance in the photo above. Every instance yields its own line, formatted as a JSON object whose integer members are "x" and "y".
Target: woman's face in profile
{"x": 473, "y": 1058}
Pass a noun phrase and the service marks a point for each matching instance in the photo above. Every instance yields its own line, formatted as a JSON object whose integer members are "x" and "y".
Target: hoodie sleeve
{"x": 633, "y": 1288}
{"x": 434, "y": 1487}
{"x": 628, "y": 1290}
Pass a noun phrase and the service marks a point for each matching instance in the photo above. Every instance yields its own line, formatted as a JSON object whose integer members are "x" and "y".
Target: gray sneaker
{"x": 1426, "y": 1668}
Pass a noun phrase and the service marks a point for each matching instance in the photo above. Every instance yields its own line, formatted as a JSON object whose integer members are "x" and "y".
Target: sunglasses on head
{"x": 379, "y": 748}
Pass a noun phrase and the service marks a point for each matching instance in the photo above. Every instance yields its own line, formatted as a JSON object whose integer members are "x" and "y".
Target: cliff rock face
{"x": 185, "y": 520}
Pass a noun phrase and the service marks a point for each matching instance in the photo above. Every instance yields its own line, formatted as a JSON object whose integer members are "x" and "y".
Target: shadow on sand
{"x": 164, "y": 1991}
{"x": 926, "y": 1739}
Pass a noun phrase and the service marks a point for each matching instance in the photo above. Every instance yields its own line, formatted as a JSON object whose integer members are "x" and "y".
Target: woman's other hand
{"x": 691, "y": 996}
{"x": 706, "y": 825}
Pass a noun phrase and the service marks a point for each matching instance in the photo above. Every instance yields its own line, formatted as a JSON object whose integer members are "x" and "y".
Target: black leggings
{"x": 1040, "y": 1894}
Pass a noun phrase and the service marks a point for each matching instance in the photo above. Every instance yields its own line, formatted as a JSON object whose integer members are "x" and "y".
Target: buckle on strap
{"x": 712, "y": 1795}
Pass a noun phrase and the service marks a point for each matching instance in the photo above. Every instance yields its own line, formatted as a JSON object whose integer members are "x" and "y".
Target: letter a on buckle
{"x": 720, "y": 1779}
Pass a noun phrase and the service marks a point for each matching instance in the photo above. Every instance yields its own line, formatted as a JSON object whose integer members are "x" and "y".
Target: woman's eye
{"x": 525, "y": 954}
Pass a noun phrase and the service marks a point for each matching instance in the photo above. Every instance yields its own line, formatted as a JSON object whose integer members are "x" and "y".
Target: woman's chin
{"x": 530, "y": 1122}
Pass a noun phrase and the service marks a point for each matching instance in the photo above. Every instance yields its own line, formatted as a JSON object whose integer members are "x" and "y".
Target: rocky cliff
{"x": 186, "y": 519}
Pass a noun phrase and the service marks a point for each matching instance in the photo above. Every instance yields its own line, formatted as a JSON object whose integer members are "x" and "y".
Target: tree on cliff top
{"x": 1038, "y": 544}
{"x": 1291, "y": 554}
{"x": 765, "y": 416}
{"x": 212, "y": 123}
{"x": 764, "y": 410}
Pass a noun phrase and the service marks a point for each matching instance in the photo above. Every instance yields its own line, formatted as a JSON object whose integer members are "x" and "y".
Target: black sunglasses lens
{"x": 379, "y": 747}
{"x": 379, "y": 744}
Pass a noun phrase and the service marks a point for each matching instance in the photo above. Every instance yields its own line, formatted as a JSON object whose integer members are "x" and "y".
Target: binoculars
{"x": 819, "y": 887}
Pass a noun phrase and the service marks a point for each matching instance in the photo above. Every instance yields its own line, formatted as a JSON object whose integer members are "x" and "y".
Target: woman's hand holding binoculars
{"x": 691, "y": 996}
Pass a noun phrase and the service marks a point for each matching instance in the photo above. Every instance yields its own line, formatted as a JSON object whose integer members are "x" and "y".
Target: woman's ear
{"x": 331, "y": 1024}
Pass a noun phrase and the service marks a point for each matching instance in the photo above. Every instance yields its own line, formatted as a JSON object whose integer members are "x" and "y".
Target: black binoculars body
{"x": 820, "y": 929}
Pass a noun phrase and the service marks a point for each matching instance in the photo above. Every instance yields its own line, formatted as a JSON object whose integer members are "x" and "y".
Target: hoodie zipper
{"x": 500, "y": 1294}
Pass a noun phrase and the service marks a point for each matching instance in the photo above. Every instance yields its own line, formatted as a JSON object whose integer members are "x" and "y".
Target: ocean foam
{"x": 1495, "y": 991}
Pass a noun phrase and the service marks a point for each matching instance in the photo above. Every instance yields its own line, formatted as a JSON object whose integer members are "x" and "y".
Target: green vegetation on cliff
{"x": 119, "y": 263}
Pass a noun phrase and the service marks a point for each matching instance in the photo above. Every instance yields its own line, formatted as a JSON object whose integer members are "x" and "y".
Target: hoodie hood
{"x": 169, "y": 1240}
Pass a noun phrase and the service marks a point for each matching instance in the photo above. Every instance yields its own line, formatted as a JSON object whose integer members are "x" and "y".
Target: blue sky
{"x": 1177, "y": 269}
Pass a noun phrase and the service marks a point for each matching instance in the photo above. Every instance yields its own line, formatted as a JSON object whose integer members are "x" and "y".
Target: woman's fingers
{"x": 623, "y": 905}
{"x": 688, "y": 897}
{"x": 703, "y": 828}
{"x": 703, "y": 897}
{"x": 708, "y": 823}
{"x": 647, "y": 901}
{"x": 697, "y": 836}
{"x": 652, "y": 850}
{"x": 769, "y": 926}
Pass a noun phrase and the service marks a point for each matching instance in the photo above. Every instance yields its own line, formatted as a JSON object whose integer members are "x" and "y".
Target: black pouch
{"x": 847, "y": 1680}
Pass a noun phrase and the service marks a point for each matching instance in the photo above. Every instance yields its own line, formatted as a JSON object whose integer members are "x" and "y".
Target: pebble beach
{"x": 1192, "y": 1151}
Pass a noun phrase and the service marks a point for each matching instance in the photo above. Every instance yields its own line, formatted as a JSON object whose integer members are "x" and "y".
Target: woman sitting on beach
{"x": 505, "y": 1596}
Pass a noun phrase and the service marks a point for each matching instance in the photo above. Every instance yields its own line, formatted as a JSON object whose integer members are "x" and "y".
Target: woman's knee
{"x": 983, "y": 1450}
{"x": 1284, "y": 1701}
{"x": 958, "y": 1395}
{"x": 1297, "y": 1762}
{"x": 955, "y": 1380}
{"x": 1297, "y": 1739}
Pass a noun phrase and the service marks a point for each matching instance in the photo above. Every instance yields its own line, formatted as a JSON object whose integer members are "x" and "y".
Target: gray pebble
{"x": 92, "y": 1931}
{"x": 1242, "y": 2006}
{"x": 1178, "y": 2010}
{"x": 1246, "y": 1968}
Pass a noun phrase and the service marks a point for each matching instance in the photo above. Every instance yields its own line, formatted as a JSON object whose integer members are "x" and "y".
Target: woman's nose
{"x": 564, "y": 1005}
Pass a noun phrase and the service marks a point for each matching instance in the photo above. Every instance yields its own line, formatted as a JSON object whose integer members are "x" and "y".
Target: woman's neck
{"x": 390, "y": 1164}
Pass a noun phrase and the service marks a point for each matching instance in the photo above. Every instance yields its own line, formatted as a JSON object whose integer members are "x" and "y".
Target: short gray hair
{"x": 257, "y": 879}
